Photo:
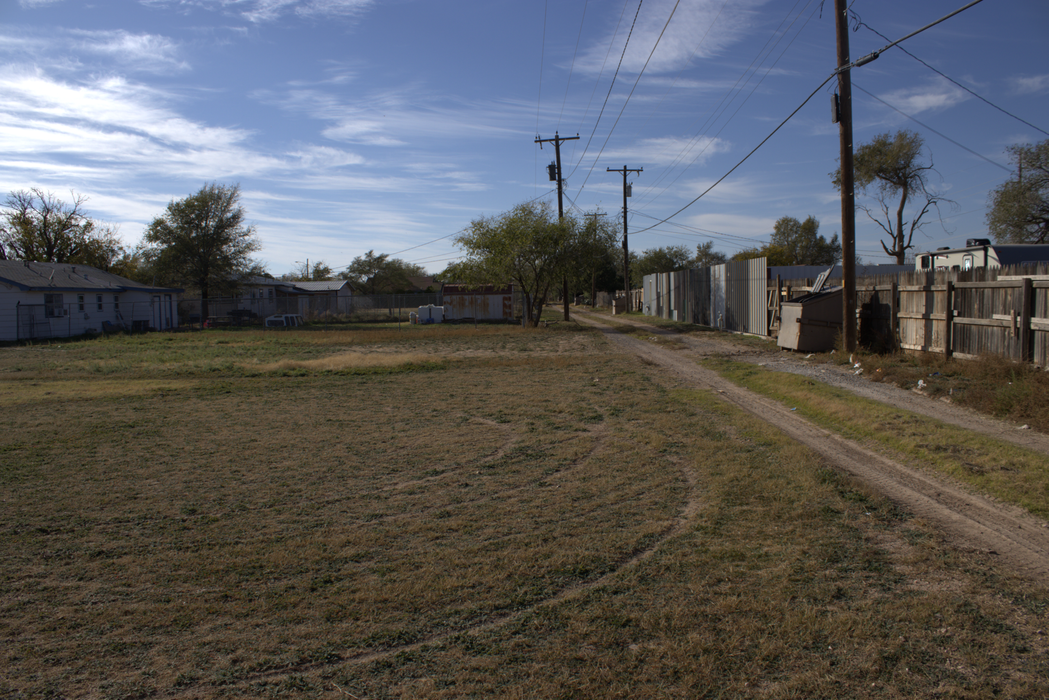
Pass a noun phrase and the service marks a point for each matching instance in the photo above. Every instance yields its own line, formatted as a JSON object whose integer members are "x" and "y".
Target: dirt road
{"x": 970, "y": 521}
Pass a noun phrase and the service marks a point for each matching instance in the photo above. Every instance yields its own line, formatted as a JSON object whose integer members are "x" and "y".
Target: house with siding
{"x": 265, "y": 296}
{"x": 59, "y": 300}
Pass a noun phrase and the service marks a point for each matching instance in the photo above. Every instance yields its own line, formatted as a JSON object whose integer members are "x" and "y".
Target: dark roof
{"x": 323, "y": 285}
{"x": 63, "y": 277}
{"x": 1021, "y": 253}
{"x": 477, "y": 289}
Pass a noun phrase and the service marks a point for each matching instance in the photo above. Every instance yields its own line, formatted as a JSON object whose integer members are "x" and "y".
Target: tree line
{"x": 205, "y": 243}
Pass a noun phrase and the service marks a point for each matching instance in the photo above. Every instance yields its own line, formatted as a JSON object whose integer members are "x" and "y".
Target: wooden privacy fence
{"x": 998, "y": 311}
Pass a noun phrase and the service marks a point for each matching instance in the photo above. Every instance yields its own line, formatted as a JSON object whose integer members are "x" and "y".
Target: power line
{"x": 926, "y": 126}
{"x": 745, "y": 99}
{"x": 631, "y": 94}
{"x": 746, "y": 157}
{"x": 605, "y": 103}
{"x": 571, "y": 68}
{"x": 860, "y": 23}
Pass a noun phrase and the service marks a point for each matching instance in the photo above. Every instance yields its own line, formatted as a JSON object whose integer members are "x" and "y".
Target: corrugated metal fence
{"x": 1001, "y": 311}
{"x": 732, "y": 296}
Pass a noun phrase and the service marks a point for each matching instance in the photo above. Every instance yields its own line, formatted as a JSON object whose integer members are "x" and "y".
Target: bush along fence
{"x": 960, "y": 313}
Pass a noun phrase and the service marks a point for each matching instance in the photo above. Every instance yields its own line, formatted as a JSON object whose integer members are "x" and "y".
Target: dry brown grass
{"x": 532, "y": 517}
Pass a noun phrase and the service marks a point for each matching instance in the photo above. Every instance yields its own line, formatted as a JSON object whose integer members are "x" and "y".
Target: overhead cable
{"x": 926, "y": 126}
{"x": 963, "y": 87}
{"x": 605, "y": 104}
{"x": 631, "y": 94}
{"x": 746, "y": 157}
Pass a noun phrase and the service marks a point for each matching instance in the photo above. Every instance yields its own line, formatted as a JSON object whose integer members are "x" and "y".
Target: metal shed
{"x": 811, "y": 323}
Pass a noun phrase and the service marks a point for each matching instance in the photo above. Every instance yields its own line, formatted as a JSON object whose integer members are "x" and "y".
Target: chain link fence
{"x": 227, "y": 311}
{"x": 90, "y": 315}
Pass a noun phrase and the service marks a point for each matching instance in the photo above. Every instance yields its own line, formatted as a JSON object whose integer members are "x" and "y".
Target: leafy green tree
{"x": 527, "y": 245}
{"x": 381, "y": 274}
{"x": 1018, "y": 210}
{"x": 38, "y": 226}
{"x": 802, "y": 243}
{"x": 796, "y": 242}
{"x": 202, "y": 241}
{"x": 892, "y": 169}
{"x": 668, "y": 259}
{"x": 594, "y": 249}
{"x": 706, "y": 256}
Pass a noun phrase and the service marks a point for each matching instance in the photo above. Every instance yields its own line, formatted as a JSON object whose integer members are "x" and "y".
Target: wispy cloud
{"x": 68, "y": 49}
{"x": 668, "y": 150}
{"x": 140, "y": 51}
{"x": 1029, "y": 84}
{"x": 110, "y": 121}
{"x": 699, "y": 29}
{"x": 397, "y": 117}
{"x": 260, "y": 11}
{"x": 938, "y": 95}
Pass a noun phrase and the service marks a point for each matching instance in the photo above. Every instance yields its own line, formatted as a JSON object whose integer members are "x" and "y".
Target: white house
{"x": 57, "y": 300}
{"x": 266, "y": 296}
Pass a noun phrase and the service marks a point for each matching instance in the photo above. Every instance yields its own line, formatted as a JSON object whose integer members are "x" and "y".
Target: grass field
{"x": 444, "y": 512}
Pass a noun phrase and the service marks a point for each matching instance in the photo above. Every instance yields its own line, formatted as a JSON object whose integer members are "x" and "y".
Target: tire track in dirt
{"x": 711, "y": 344}
{"x": 686, "y": 514}
{"x": 971, "y": 521}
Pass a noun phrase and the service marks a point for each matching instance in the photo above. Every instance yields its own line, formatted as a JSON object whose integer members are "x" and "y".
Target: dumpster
{"x": 811, "y": 323}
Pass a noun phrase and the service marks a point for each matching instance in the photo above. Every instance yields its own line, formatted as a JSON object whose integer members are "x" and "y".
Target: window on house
{"x": 98, "y": 301}
{"x": 967, "y": 262}
{"x": 271, "y": 295}
{"x": 80, "y": 302}
{"x": 53, "y": 305}
{"x": 116, "y": 302}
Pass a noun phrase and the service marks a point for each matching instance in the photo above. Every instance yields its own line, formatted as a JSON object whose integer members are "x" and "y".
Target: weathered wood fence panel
{"x": 1000, "y": 311}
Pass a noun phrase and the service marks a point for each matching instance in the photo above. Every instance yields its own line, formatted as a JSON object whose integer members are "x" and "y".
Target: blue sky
{"x": 354, "y": 125}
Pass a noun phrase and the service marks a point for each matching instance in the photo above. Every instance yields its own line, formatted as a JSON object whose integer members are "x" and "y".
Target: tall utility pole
{"x": 557, "y": 141}
{"x": 848, "y": 195}
{"x": 626, "y": 249}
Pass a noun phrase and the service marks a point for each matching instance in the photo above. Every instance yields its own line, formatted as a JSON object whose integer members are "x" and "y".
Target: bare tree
{"x": 38, "y": 226}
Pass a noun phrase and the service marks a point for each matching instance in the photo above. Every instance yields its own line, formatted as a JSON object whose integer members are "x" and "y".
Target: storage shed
{"x": 486, "y": 302}
{"x": 811, "y": 323}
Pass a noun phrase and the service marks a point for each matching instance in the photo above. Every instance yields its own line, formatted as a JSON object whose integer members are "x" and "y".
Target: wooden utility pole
{"x": 626, "y": 248}
{"x": 557, "y": 140}
{"x": 848, "y": 195}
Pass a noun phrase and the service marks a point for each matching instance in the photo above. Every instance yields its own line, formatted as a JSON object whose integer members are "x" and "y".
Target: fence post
{"x": 948, "y": 333}
{"x": 1026, "y": 304}
{"x": 894, "y": 317}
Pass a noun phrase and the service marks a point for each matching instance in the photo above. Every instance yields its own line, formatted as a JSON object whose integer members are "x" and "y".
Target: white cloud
{"x": 140, "y": 51}
{"x": 753, "y": 227}
{"x": 115, "y": 125}
{"x": 65, "y": 49}
{"x": 314, "y": 157}
{"x": 938, "y": 95}
{"x": 1029, "y": 84}
{"x": 699, "y": 29}
{"x": 668, "y": 150}
{"x": 272, "y": 10}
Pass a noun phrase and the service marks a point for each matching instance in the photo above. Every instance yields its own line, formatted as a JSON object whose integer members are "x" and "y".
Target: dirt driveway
{"x": 970, "y": 521}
